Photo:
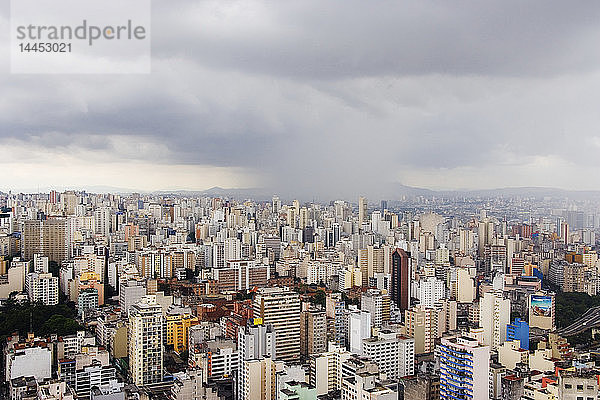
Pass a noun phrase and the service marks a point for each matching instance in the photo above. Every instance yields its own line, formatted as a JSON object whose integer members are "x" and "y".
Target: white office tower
{"x": 256, "y": 371}
{"x": 102, "y": 221}
{"x": 359, "y": 328}
{"x": 280, "y": 307}
{"x": 429, "y": 291}
{"x": 42, "y": 288}
{"x": 232, "y": 249}
{"x": 130, "y": 292}
{"x": 362, "y": 211}
{"x": 257, "y": 341}
{"x": 372, "y": 301}
{"x": 325, "y": 371}
{"x": 276, "y": 203}
{"x": 494, "y": 315}
{"x": 40, "y": 264}
{"x": 259, "y": 381}
{"x": 464, "y": 368}
{"x": 485, "y": 233}
{"x": 145, "y": 344}
{"x": 394, "y": 354}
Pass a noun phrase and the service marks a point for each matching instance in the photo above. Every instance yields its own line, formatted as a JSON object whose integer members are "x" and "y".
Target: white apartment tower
{"x": 42, "y": 288}
{"x": 362, "y": 211}
{"x": 359, "y": 328}
{"x": 256, "y": 356}
{"x": 145, "y": 347}
{"x": 494, "y": 315}
{"x": 429, "y": 291}
{"x": 394, "y": 354}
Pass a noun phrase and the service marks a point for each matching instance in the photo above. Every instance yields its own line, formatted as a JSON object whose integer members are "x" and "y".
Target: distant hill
{"x": 392, "y": 191}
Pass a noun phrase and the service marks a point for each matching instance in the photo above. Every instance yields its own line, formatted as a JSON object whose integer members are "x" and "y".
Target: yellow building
{"x": 178, "y": 327}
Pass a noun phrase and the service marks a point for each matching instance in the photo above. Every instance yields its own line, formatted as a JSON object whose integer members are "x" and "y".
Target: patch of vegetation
{"x": 43, "y": 320}
{"x": 319, "y": 298}
{"x": 572, "y": 305}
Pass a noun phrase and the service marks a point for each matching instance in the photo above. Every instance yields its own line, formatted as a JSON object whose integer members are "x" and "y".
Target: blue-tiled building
{"x": 518, "y": 330}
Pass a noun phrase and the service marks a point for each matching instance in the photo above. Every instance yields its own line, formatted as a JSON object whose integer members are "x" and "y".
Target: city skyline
{"x": 313, "y": 99}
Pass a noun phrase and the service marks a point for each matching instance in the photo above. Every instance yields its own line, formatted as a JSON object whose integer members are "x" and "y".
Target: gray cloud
{"x": 332, "y": 98}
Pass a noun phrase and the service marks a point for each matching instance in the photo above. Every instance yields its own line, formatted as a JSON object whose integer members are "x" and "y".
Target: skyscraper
{"x": 384, "y": 205}
{"x": 485, "y": 233}
{"x": 362, "y": 211}
{"x": 256, "y": 370}
{"x": 336, "y": 313}
{"x": 313, "y": 332}
{"x": 421, "y": 323}
{"x": 464, "y": 369}
{"x": 494, "y": 316}
{"x": 45, "y": 237}
{"x": 145, "y": 346}
{"x": 280, "y": 307}
{"x": 359, "y": 328}
{"x": 401, "y": 279}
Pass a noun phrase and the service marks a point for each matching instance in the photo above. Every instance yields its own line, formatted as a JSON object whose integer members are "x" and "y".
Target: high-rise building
{"x": 485, "y": 234}
{"x": 394, "y": 354}
{"x": 145, "y": 347}
{"x": 325, "y": 371}
{"x": 337, "y": 320}
{"x": 362, "y": 211}
{"x": 518, "y": 330}
{"x": 40, "y": 264}
{"x": 377, "y": 303}
{"x": 464, "y": 369}
{"x": 256, "y": 356}
{"x": 429, "y": 291}
{"x": 280, "y": 307}
{"x": 494, "y": 316}
{"x": 87, "y": 300}
{"x": 42, "y": 288}
{"x": 48, "y": 238}
{"x": 276, "y": 204}
{"x": 256, "y": 341}
{"x": 370, "y": 262}
{"x": 178, "y": 321}
{"x": 401, "y": 265}
{"x": 102, "y": 221}
{"x": 464, "y": 289}
{"x": 313, "y": 332}
{"x": 130, "y": 292}
{"x": 384, "y": 206}
{"x": 359, "y": 328}
{"x": 259, "y": 381}
{"x": 421, "y": 324}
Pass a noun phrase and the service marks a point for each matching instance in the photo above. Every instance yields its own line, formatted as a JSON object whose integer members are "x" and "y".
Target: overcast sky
{"x": 324, "y": 98}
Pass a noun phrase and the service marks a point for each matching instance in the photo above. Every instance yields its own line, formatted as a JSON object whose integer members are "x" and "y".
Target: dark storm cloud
{"x": 337, "y": 39}
{"x": 334, "y": 97}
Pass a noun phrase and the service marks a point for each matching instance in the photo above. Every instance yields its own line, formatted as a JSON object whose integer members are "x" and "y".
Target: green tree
{"x": 319, "y": 298}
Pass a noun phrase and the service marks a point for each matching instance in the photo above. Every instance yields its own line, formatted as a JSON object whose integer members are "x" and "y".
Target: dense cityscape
{"x": 196, "y": 296}
{"x": 299, "y": 200}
